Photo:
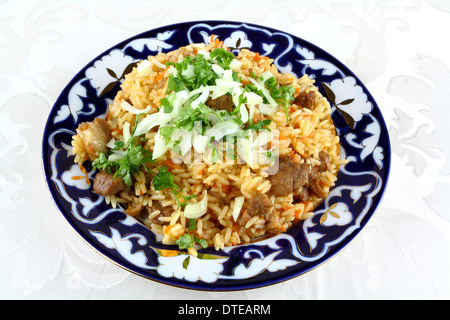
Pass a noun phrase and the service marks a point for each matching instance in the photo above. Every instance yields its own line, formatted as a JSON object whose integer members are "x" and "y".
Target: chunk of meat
{"x": 134, "y": 209}
{"x": 314, "y": 183}
{"x": 306, "y": 100}
{"x": 289, "y": 178}
{"x": 164, "y": 211}
{"x": 300, "y": 179}
{"x": 106, "y": 185}
{"x": 303, "y": 195}
{"x": 274, "y": 225}
{"x": 95, "y": 135}
{"x": 224, "y": 102}
{"x": 259, "y": 205}
{"x": 325, "y": 161}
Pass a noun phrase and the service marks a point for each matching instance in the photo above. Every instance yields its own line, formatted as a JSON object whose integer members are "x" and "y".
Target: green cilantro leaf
{"x": 164, "y": 180}
{"x": 135, "y": 157}
{"x": 261, "y": 125}
{"x": 281, "y": 94}
{"x": 167, "y": 132}
{"x": 174, "y": 84}
{"x": 222, "y": 57}
{"x": 185, "y": 241}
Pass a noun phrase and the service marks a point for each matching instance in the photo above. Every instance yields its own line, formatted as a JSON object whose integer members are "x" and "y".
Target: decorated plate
{"x": 131, "y": 245}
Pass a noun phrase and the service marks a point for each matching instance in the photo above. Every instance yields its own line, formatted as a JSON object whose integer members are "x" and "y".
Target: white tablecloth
{"x": 399, "y": 49}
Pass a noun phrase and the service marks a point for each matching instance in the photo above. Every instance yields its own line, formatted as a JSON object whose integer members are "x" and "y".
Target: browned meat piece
{"x": 175, "y": 58}
{"x": 299, "y": 178}
{"x": 106, "y": 185}
{"x": 164, "y": 211}
{"x": 224, "y": 102}
{"x": 314, "y": 183}
{"x": 290, "y": 177}
{"x": 303, "y": 195}
{"x": 134, "y": 209}
{"x": 274, "y": 225}
{"x": 325, "y": 160}
{"x": 259, "y": 205}
{"x": 306, "y": 100}
{"x": 95, "y": 136}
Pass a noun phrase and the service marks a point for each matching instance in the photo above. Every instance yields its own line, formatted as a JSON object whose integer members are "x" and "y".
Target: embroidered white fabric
{"x": 393, "y": 46}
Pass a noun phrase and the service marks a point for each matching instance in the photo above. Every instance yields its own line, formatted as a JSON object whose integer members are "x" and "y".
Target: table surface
{"x": 393, "y": 47}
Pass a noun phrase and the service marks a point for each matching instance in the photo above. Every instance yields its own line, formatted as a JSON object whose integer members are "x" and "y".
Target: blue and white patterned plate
{"x": 128, "y": 243}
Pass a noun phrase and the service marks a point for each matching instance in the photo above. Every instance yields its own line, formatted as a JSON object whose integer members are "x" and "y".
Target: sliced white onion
{"x": 116, "y": 155}
{"x": 238, "y": 203}
{"x": 146, "y": 124}
{"x": 196, "y": 210}
{"x": 172, "y": 71}
{"x": 128, "y": 107}
{"x": 228, "y": 75}
{"x": 204, "y": 53}
{"x": 244, "y": 114}
{"x": 267, "y": 75}
{"x": 144, "y": 68}
{"x": 111, "y": 143}
{"x": 264, "y": 137}
{"x": 265, "y": 92}
{"x": 253, "y": 98}
{"x": 218, "y": 70}
{"x": 220, "y": 91}
{"x": 227, "y": 83}
{"x": 201, "y": 99}
{"x": 199, "y": 143}
{"x": 251, "y": 112}
{"x": 221, "y": 129}
{"x": 180, "y": 98}
{"x": 267, "y": 109}
{"x": 245, "y": 148}
{"x": 235, "y": 94}
{"x": 159, "y": 64}
{"x": 201, "y": 90}
{"x": 185, "y": 139}
{"x": 235, "y": 65}
{"x": 214, "y": 119}
{"x": 126, "y": 131}
{"x": 160, "y": 146}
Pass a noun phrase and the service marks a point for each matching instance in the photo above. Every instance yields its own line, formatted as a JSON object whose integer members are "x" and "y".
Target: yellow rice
{"x": 306, "y": 134}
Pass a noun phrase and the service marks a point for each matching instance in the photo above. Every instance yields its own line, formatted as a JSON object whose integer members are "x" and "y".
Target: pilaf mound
{"x": 180, "y": 180}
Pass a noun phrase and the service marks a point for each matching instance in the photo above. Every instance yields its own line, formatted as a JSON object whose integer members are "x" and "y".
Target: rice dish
{"x": 209, "y": 148}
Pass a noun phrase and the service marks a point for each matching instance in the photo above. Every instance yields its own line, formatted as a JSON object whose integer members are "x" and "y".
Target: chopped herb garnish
{"x": 135, "y": 157}
{"x": 188, "y": 116}
{"x": 175, "y": 84}
{"x": 261, "y": 125}
{"x": 281, "y": 94}
{"x": 167, "y": 102}
{"x": 222, "y": 57}
{"x": 164, "y": 180}
{"x": 188, "y": 240}
{"x": 242, "y": 100}
{"x": 167, "y": 132}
